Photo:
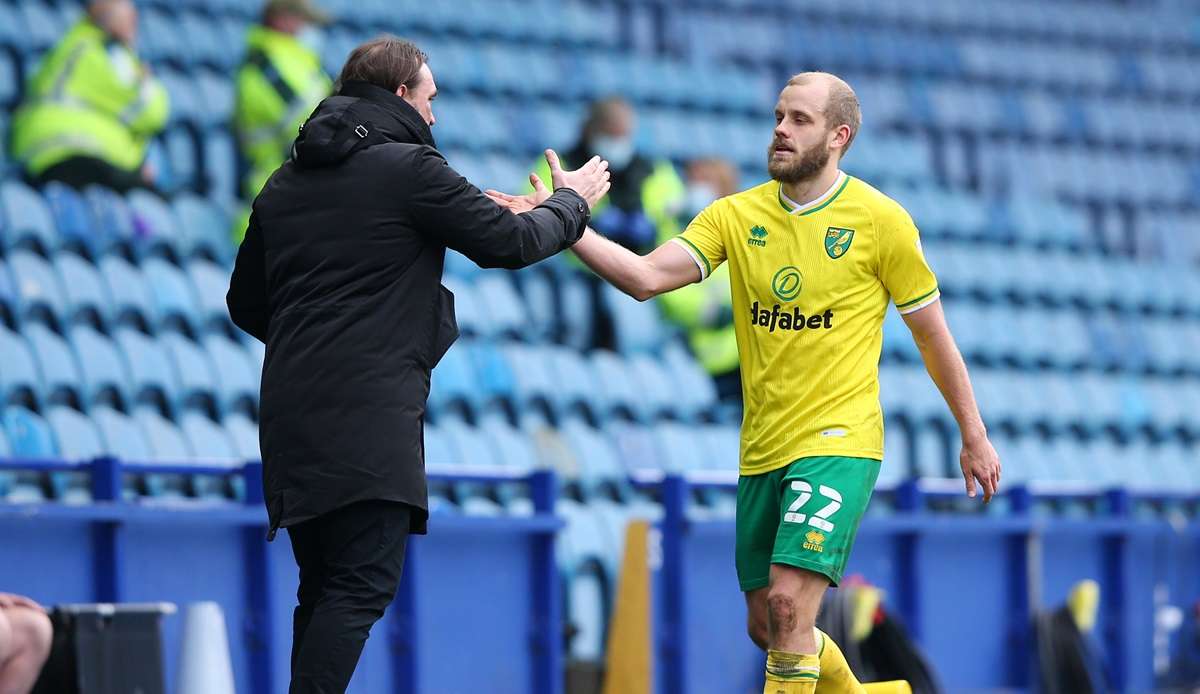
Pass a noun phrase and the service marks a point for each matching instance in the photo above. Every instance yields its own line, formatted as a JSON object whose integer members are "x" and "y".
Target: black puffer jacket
{"x": 340, "y": 275}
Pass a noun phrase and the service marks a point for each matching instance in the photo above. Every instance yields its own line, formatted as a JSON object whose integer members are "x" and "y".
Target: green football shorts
{"x": 805, "y": 515}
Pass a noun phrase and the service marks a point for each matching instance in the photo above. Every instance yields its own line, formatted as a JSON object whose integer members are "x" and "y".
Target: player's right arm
{"x": 643, "y": 277}
{"x": 687, "y": 258}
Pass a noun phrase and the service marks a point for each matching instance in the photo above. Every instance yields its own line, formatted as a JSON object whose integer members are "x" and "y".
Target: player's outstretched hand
{"x": 980, "y": 462}
{"x": 521, "y": 203}
{"x": 589, "y": 180}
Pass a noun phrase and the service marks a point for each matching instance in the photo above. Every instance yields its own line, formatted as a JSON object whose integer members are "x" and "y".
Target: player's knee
{"x": 34, "y": 631}
{"x": 785, "y": 613}
{"x": 758, "y": 632}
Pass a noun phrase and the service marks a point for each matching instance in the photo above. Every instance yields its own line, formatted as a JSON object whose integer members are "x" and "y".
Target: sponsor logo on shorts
{"x": 814, "y": 541}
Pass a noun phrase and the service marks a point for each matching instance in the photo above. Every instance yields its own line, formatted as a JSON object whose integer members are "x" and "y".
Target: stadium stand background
{"x": 1047, "y": 150}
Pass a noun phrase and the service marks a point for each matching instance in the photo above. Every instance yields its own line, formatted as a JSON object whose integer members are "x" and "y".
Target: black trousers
{"x": 79, "y": 172}
{"x": 350, "y": 563}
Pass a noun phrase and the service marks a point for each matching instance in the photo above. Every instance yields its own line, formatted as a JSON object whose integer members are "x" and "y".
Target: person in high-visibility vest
{"x": 705, "y": 310}
{"x": 279, "y": 84}
{"x": 92, "y": 107}
{"x": 646, "y": 194}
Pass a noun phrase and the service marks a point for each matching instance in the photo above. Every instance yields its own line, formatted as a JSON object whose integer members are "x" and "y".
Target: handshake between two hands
{"x": 589, "y": 180}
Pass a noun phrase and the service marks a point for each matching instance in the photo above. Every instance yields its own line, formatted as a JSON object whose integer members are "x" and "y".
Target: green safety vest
{"x": 278, "y": 86}
{"x": 715, "y": 346}
{"x": 91, "y": 97}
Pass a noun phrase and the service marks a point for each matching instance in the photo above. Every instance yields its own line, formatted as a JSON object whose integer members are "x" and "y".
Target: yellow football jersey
{"x": 811, "y": 285}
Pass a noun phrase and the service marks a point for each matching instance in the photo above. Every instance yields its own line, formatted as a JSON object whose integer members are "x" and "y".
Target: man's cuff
{"x": 573, "y": 203}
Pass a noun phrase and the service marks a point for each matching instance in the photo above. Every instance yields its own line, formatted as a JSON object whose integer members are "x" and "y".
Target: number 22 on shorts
{"x": 820, "y": 519}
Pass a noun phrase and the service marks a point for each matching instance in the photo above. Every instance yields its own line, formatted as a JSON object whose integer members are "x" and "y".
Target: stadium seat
{"x": 113, "y": 220}
{"x": 208, "y": 441}
{"x": 20, "y": 381}
{"x": 38, "y": 287}
{"x": 56, "y": 362}
{"x": 237, "y": 377}
{"x": 28, "y": 222}
{"x": 210, "y": 283}
{"x": 130, "y": 295}
{"x": 105, "y": 377}
{"x": 195, "y": 371}
{"x": 84, "y": 290}
{"x": 453, "y": 382}
{"x": 637, "y": 324}
{"x": 203, "y": 227}
{"x": 616, "y": 393}
{"x": 121, "y": 436}
{"x": 29, "y": 436}
{"x": 77, "y": 437}
{"x": 72, "y": 217}
{"x": 468, "y": 309}
{"x": 153, "y": 378}
{"x": 504, "y": 313}
{"x": 167, "y": 443}
{"x": 155, "y": 227}
{"x": 244, "y": 435}
{"x": 174, "y": 299}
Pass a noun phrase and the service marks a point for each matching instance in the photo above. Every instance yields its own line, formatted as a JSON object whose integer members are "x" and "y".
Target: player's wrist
{"x": 974, "y": 435}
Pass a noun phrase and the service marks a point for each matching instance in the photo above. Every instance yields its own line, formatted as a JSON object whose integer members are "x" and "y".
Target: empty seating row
{"x": 89, "y": 368}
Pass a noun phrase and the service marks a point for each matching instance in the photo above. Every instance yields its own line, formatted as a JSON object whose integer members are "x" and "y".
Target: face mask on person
{"x": 617, "y": 151}
{"x": 698, "y": 197}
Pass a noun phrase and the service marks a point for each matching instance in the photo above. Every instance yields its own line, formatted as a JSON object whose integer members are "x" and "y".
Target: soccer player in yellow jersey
{"x": 815, "y": 256}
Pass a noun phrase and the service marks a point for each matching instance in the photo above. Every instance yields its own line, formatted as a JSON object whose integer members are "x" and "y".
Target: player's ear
{"x": 841, "y": 136}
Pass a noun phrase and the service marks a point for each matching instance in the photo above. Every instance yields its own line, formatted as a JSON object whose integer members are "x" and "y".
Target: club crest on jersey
{"x": 837, "y": 241}
{"x": 758, "y": 237}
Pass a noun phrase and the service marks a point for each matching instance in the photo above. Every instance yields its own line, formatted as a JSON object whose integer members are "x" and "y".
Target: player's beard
{"x": 803, "y": 166}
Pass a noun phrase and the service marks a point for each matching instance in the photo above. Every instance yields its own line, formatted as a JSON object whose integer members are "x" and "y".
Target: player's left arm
{"x": 913, "y": 286}
{"x": 945, "y": 365}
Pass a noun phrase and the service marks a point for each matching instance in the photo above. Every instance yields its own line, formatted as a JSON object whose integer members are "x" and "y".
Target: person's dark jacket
{"x": 340, "y": 275}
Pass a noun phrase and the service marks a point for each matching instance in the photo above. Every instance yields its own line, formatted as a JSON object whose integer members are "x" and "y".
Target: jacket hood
{"x": 358, "y": 116}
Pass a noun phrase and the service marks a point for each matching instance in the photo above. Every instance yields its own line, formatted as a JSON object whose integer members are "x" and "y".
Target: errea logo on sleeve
{"x": 758, "y": 237}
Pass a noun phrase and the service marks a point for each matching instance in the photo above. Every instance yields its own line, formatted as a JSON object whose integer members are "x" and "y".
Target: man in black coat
{"x": 339, "y": 274}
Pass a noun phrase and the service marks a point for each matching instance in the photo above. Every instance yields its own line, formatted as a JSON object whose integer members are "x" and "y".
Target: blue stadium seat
{"x": 43, "y": 26}
{"x": 157, "y": 230}
{"x": 167, "y": 443}
{"x": 513, "y": 449}
{"x": 60, "y": 372}
{"x": 9, "y": 300}
{"x": 174, "y": 298}
{"x": 197, "y": 377}
{"x": 598, "y": 462}
{"x": 497, "y": 379}
{"x": 440, "y": 451}
{"x": 659, "y": 396}
{"x": 578, "y": 310}
{"x": 533, "y": 382}
{"x": 576, "y": 387}
{"x": 131, "y": 302}
{"x": 20, "y": 381}
{"x": 503, "y": 310}
{"x": 217, "y": 93}
{"x": 638, "y": 447}
{"x": 695, "y": 392}
{"x": 77, "y": 437}
{"x": 72, "y": 216}
{"x": 204, "y": 227}
{"x": 637, "y": 324}
{"x": 210, "y": 283}
{"x": 244, "y": 434}
{"x": 181, "y": 153}
{"x": 114, "y": 222}
{"x": 208, "y": 441}
{"x": 84, "y": 290}
{"x": 105, "y": 377}
{"x": 617, "y": 394}
{"x": 468, "y": 308}
{"x": 41, "y": 293}
{"x": 454, "y": 382}
{"x": 29, "y": 436}
{"x": 237, "y": 377}
{"x": 152, "y": 375}
{"x": 541, "y": 299}
{"x": 220, "y": 164}
{"x": 121, "y": 436}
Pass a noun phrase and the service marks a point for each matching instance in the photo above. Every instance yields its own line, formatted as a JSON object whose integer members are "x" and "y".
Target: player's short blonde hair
{"x": 842, "y": 106}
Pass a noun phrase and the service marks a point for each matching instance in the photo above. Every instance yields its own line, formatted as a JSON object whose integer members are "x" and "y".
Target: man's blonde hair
{"x": 841, "y": 108}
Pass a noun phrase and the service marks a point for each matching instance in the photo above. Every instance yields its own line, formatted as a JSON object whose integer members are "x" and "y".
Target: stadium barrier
{"x": 966, "y": 584}
{"x": 487, "y": 587}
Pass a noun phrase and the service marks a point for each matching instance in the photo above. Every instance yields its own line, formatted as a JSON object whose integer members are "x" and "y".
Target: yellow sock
{"x": 892, "y": 687}
{"x": 836, "y": 675}
{"x": 791, "y": 673}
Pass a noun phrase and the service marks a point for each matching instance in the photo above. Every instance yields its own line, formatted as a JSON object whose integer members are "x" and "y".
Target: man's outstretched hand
{"x": 591, "y": 181}
{"x": 979, "y": 462}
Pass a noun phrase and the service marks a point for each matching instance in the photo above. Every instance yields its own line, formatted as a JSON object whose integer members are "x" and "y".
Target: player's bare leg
{"x": 25, "y": 636}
